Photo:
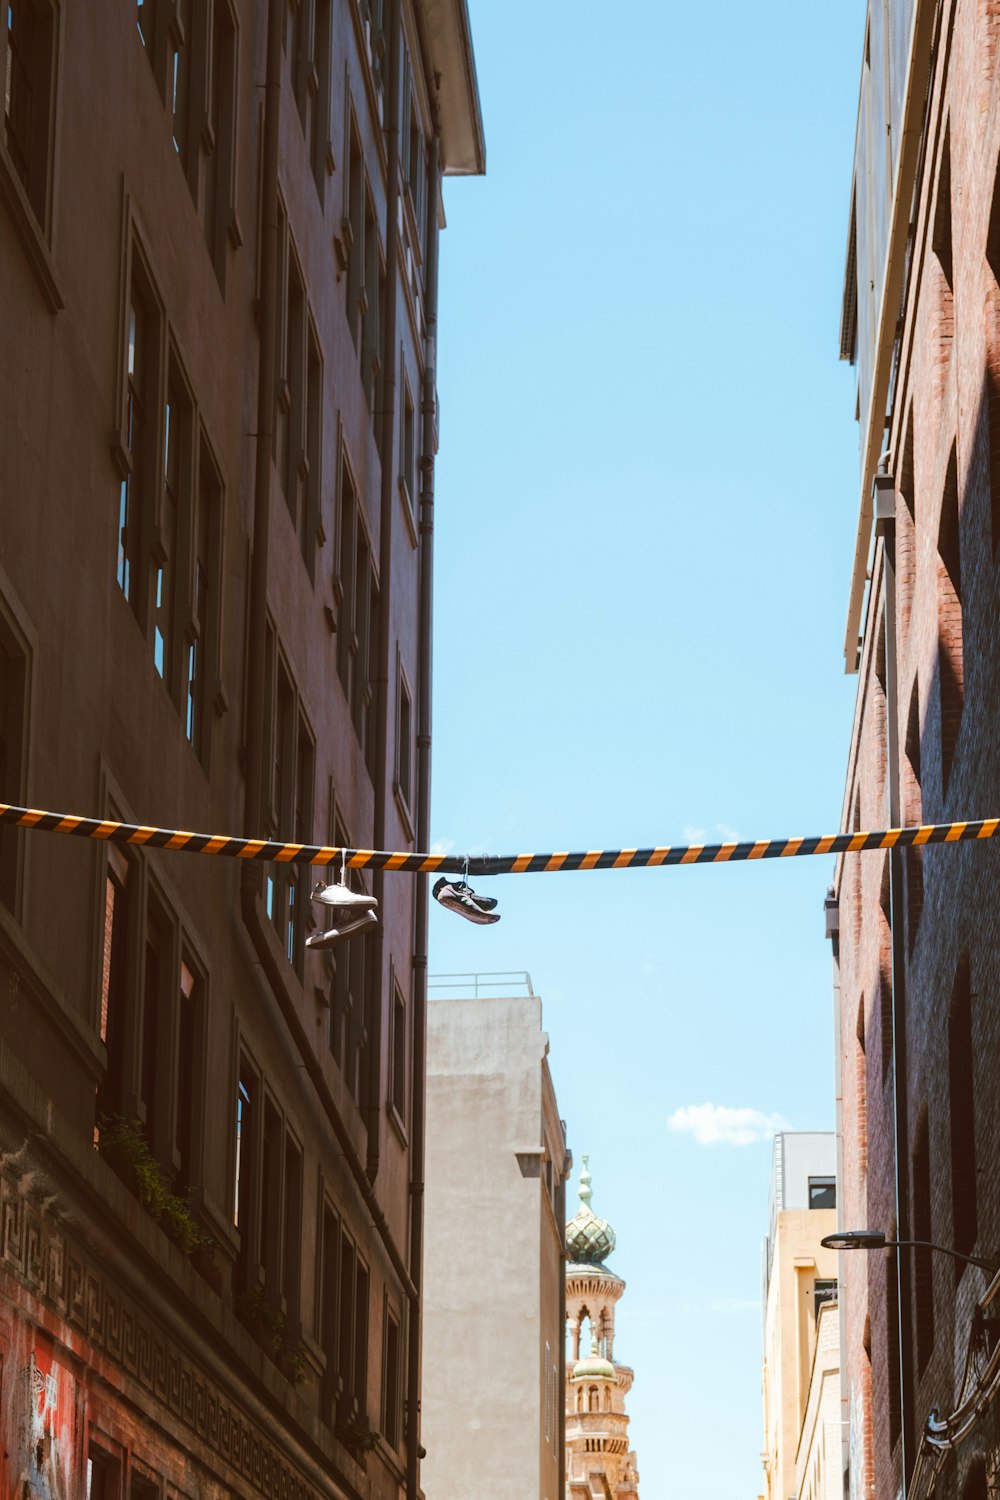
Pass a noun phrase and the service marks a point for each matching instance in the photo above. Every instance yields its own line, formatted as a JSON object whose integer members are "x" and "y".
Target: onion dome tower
{"x": 598, "y": 1458}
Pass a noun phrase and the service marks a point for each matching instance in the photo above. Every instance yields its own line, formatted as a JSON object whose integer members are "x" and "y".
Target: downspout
{"x": 253, "y": 812}
{"x": 250, "y": 875}
{"x": 885, "y": 518}
{"x": 428, "y": 443}
{"x": 387, "y": 449}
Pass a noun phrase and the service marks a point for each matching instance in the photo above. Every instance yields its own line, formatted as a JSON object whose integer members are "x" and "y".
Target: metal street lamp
{"x": 874, "y": 1239}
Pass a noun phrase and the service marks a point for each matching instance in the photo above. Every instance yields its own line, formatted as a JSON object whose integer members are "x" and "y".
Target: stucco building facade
{"x": 218, "y": 291}
{"x": 799, "y": 1279}
{"x": 915, "y": 931}
{"x": 497, "y": 1164}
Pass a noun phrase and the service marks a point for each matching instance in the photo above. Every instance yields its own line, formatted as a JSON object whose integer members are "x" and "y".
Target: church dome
{"x": 589, "y": 1240}
{"x": 594, "y": 1368}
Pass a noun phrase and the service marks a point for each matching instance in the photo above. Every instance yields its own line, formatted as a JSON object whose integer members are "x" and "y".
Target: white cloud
{"x": 442, "y": 846}
{"x": 648, "y": 965}
{"x": 723, "y": 1125}
{"x": 724, "y": 833}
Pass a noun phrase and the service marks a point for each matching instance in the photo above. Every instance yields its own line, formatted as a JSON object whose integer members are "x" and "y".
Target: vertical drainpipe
{"x": 428, "y": 442}
{"x": 387, "y": 449}
{"x": 253, "y": 811}
{"x": 885, "y": 519}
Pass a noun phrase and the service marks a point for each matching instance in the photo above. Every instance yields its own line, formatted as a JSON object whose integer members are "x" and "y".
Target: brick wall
{"x": 944, "y": 437}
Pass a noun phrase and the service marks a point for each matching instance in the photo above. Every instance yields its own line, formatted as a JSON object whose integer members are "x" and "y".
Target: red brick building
{"x": 916, "y": 932}
{"x": 218, "y": 294}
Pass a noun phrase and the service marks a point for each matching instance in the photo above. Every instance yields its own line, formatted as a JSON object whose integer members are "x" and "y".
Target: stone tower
{"x": 599, "y": 1462}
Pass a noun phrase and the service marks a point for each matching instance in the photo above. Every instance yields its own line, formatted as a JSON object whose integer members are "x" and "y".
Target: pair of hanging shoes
{"x": 352, "y": 912}
{"x": 458, "y": 896}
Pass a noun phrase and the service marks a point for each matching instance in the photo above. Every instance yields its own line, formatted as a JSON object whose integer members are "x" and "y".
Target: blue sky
{"x": 647, "y": 496}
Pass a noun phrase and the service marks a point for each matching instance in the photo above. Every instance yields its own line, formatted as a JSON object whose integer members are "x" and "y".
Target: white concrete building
{"x": 494, "y": 1312}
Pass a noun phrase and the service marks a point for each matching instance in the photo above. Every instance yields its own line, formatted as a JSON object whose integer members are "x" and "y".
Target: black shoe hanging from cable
{"x": 458, "y": 896}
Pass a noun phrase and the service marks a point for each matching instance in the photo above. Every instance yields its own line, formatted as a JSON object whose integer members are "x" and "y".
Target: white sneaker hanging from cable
{"x": 352, "y": 911}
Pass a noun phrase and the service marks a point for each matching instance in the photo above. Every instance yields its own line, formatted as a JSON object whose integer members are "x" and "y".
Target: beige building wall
{"x": 795, "y": 1262}
{"x": 495, "y": 1206}
{"x": 818, "y": 1463}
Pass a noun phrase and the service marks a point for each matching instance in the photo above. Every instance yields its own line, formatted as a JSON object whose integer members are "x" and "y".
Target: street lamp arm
{"x": 971, "y": 1260}
{"x": 874, "y": 1239}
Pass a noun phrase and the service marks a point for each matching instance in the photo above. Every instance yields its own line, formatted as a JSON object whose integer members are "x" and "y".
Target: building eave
{"x": 454, "y": 85}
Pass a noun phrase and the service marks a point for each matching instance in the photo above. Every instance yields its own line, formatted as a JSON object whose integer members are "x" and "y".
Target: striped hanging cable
{"x": 491, "y": 864}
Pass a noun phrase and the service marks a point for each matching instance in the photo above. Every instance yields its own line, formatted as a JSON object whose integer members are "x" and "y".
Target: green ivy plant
{"x": 357, "y": 1433}
{"x": 122, "y": 1142}
{"x": 289, "y": 1354}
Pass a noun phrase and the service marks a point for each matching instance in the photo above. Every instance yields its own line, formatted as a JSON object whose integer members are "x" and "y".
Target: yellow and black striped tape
{"x": 492, "y": 864}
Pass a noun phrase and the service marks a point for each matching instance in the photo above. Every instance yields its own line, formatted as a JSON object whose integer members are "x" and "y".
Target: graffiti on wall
{"x": 45, "y": 1426}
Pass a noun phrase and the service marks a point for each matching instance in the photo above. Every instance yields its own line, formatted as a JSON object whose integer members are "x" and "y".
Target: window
{"x": 200, "y": 654}
{"x": 353, "y": 229}
{"x": 414, "y": 163}
{"x": 27, "y": 40}
{"x": 138, "y": 436}
{"x": 327, "y": 1308}
{"x": 352, "y": 1354}
{"x": 352, "y": 981}
{"x": 861, "y": 1092}
{"x": 291, "y": 1259}
{"x": 822, "y": 1192}
{"x": 962, "y": 1115}
{"x": 177, "y": 499}
{"x": 193, "y": 54}
{"x": 404, "y": 741}
{"x": 923, "y": 1260}
{"x": 169, "y": 547}
{"x": 13, "y": 752}
{"x": 372, "y": 306}
{"x": 993, "y": 355}
{"x": 390, "y": 1422}
{"x": 408, "y": 451}
{"x": 291, "y": 805}
{"x": 892, "y": 1369}
{"x": 267, "y": 1206}
{"x": 189, "y": 1083}
{"x": 103, "y": 1475}
{"x": 245, "y": 1154}
{"x": 397, "y": 1061}
{"x": 150, "y": 1015}
{"x": 307, "y": 46}
{"x": 299, "y": 404}
{"x": 114, "y": 980}
{"x": 950, "y": 651}
{"x": 357, "y": 596}
{"x": 366, "y": 288}
{"x": 371, "y": 14}
{"x": 142, "y": 1488}
{"x": 913, "y": 812}
{"x": 155, "y": 1005}
{"x": 942, "y": 245}
{"x": 824, "y": 1290}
